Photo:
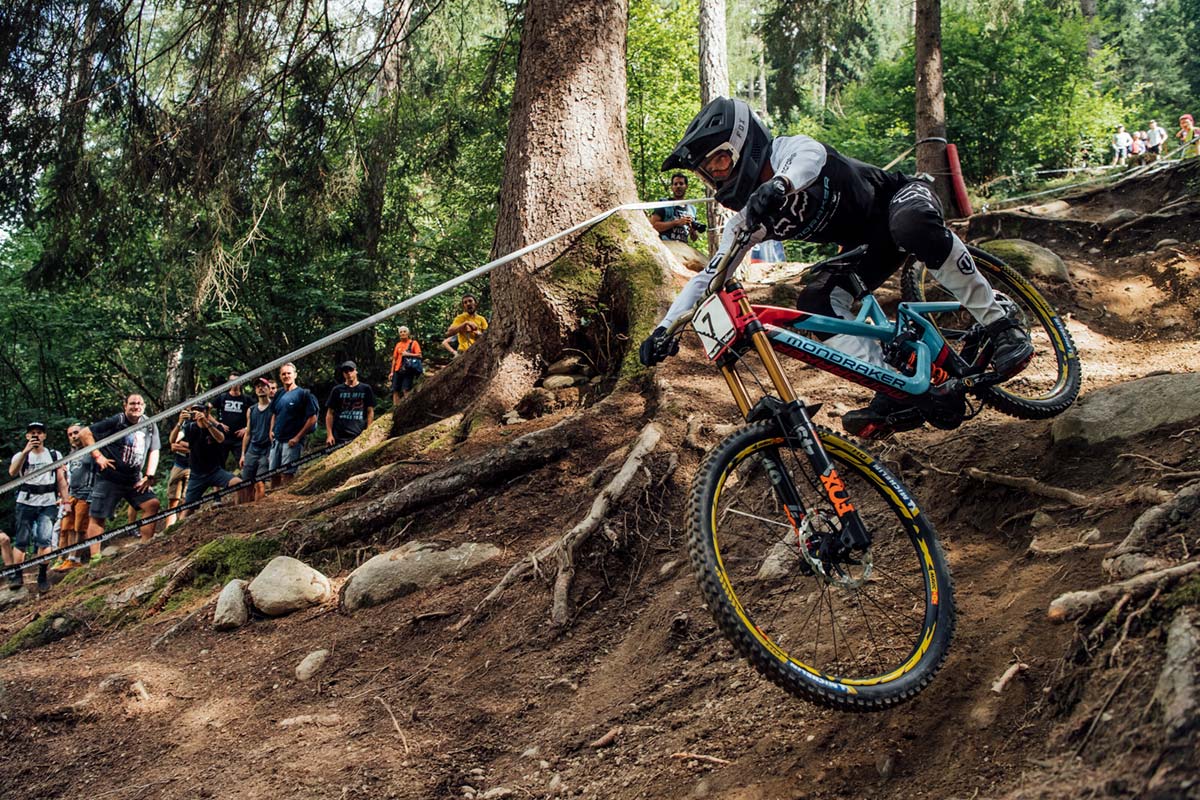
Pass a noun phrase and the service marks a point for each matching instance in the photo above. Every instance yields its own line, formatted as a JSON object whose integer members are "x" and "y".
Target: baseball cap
{"x": 40, "y": 426}
{"x": 265, "y": 381}
{"x": 347, "y": 365}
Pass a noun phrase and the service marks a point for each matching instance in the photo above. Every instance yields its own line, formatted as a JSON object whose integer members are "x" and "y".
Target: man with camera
{"x": 38, "y": 500}
{"x": 677, "y": 226}
{"x": 205, "y": 437}
{"x": 126, "y": 468}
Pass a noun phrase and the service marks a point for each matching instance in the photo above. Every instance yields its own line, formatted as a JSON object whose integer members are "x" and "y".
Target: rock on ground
{"x": 558, "y": 382}
{"x": 1119, "y": 217}
{"x": 311, "y": 664}
{"x": 1127, "y": 409}
{"x": 413, "y": 566}
{"x": 286, "y": 585}
{"x": 232, "y": 611}
{"x": 1029, "y": 258}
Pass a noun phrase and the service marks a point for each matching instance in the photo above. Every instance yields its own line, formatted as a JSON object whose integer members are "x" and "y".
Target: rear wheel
{"x": 859, "y": 634}
{"x": 1050, "y": 382}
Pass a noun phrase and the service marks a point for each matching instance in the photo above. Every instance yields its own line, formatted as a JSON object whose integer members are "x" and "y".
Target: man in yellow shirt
{"x": 466, "y": 326}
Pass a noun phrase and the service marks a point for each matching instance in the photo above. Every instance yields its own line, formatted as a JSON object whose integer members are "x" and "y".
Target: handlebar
{"x": 719, "y": 279}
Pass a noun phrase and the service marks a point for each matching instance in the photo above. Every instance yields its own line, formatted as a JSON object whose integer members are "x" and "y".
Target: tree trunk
{"x": 566, "y": 160}
{"x": 378, "y": 151}
{"x": 931, "y": 101}
{"x": 1088, "y": 9}
{"x": 714, "y": 82}
{"x": 179, "y": 380}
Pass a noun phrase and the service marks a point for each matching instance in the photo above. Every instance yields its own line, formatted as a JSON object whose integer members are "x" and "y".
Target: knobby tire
{"x": 895, "y": 629}
{"x": 1016, "y": 397}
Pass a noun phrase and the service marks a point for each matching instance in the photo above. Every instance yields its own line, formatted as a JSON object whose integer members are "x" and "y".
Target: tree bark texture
{"x": 931, "y": 100}
{"x": 566, "y": 160}
{"x": 714, "y": 82}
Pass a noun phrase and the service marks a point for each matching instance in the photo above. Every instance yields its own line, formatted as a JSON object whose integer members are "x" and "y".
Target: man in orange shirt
{"x": 406, "y": 365}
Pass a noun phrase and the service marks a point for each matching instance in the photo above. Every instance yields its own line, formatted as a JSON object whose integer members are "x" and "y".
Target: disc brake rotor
{"x": 815, "y": 528}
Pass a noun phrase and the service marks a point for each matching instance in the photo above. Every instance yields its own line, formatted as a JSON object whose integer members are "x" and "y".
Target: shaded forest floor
{"x": 406, "y": 708}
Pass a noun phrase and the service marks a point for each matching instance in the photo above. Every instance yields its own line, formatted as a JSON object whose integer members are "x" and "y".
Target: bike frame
{"x": 770, "y": 330}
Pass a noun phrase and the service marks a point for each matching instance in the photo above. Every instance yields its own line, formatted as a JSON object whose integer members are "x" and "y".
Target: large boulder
{"x": 1029, "y": 259}
{"x": 232, "y": 611}
{"x": 1126, "y": 410}
{"x": 412, "y": 566}
{"x": 286, "y": 585}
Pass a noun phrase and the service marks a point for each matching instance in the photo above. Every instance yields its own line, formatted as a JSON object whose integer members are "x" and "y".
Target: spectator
{"x": 406, "y": 365}
{"x": 676, "y": 226}
{"x": 1188, "y": 136}
{"x": 81, "y": 474}
{"x": 1137, "y": 148}
{"x": 231, "y": 408}
{"x": 256, "y": 444}
{"x": 350, "y": 409}
{"x": 37, "y": 508}
{"x": 466, "y": 326}
{"x": 1155, "y": 136}
{"x": 293, "y": 415}
{"x": 126, "y": 469}
{"x": 205, "y": 436}
{"x": 1121, "y": 142}
{"x": 180, "y": 467}
{"x": 272, "y": 389}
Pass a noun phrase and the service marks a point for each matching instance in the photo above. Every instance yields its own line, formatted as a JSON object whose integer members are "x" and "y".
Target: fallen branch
{"x": 699, "y": 757}
{"x": 562, "y": 551}
{"x": 179, "y": 626}
{"x": 999, "y": 684}
{"x": 696, "y": 427}
{"x": 1074, "y": 605}
{"x": 395, "y": 724}
{"x": 1032, "y": 486}
{"x": 608, "y": 738}
{"x": 1037, "y": 549}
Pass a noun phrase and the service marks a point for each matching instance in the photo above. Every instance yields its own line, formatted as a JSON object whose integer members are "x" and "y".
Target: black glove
{"x": 657, "y": 347}
{"x": 766, "y": 202}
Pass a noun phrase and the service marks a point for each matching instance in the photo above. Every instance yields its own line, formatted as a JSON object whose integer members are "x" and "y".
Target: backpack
{"x": 29, "y": 488}
{"x": 411, "y": 363}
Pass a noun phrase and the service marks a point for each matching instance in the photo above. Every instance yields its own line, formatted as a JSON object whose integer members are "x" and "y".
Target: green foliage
{"x": 1020, "y": 93}
{"x": 231, "y": 557}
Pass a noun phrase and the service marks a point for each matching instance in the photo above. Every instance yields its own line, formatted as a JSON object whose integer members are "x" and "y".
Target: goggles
{"x": 717, "y": 166}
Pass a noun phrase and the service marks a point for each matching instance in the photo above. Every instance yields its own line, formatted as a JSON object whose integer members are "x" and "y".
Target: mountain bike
{"x": 815, "y": 560}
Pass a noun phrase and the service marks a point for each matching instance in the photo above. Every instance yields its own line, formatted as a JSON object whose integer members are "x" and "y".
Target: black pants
{"x": 911, "y": 223}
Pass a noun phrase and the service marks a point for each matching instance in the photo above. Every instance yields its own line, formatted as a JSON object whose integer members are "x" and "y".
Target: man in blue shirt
{"x": 293, "y": 416}
{"x": 677, "y": 226}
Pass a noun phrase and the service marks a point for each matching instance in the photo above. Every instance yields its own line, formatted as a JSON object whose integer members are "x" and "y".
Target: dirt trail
{"x": 509, "y": 705}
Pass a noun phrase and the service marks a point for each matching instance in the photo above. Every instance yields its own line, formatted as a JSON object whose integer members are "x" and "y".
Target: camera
{"x": 699, "y": 227}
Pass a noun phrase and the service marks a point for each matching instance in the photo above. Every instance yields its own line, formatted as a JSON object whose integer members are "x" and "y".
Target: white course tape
{"x": 344, "y": 333}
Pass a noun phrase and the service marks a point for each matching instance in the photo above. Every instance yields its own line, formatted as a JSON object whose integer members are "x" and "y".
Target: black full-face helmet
{"x": 726, "y": 145}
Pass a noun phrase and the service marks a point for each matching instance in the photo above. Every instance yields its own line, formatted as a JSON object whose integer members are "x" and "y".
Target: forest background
{"x": 192, "y": 187}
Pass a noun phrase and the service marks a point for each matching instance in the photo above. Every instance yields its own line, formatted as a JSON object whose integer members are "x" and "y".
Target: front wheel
{"x": 1050, "y": 382}
{"x": 857, "y": 634}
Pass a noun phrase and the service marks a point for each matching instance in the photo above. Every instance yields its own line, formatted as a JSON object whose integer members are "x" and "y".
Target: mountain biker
{"x": 794, "y": 187}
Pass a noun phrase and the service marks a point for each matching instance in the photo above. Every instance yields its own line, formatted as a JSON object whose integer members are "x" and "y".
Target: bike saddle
{"x": 841, "y": 263}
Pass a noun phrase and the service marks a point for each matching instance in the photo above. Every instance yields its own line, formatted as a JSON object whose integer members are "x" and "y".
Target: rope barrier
{"x": 135, "y": 527}
{"x": 338, "y": 336}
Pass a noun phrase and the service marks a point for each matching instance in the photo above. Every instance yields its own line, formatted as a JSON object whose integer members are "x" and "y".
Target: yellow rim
{"x": 855, "y": 456}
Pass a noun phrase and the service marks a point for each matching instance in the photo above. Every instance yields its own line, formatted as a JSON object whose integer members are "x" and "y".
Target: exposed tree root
{"x": 1032, "y": 486}
{"x": 183, "y": 575}
{"x": 1135, "y": 494}
{"x": 1074, "y": 605}
{"x": 562, "y": 551}
{"x": 696, "y": 427}
{"x": 487, "y": 469}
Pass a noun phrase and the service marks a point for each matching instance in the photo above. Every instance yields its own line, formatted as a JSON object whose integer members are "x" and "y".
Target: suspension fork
{"x": 797, "y": 426}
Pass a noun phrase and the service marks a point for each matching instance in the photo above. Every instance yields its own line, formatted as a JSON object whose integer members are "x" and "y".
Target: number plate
{"x": 715, "y": 327}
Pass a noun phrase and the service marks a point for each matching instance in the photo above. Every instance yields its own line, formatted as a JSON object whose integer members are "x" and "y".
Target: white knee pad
{"x": 960, "y": 277}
